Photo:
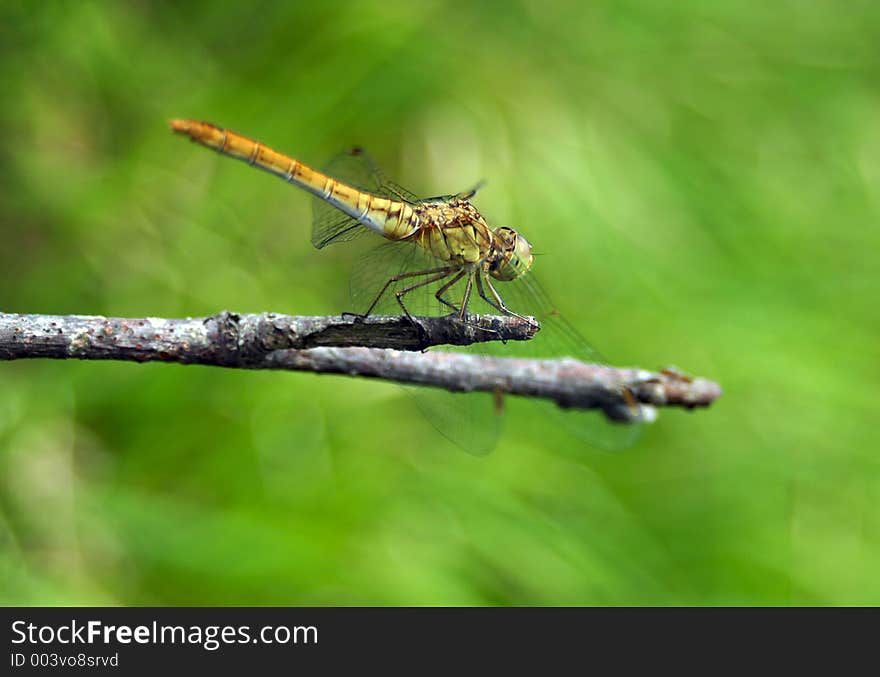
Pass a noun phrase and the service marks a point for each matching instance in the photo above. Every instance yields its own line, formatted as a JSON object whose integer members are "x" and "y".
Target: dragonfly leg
{"x": 436, "y": 278}
{"x": 467, "y": 297}
{"x": 498, "y": 303}
{"x": 400, "y": 293}
{"x": 446, "y": 270}
{"x": 439, "y": 293}
{"x": 462, "y": 312}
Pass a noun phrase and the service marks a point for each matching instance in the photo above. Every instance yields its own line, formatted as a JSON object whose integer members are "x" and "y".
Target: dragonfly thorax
{"x": 512, "y": 255}
{"x": 453, "y": 231}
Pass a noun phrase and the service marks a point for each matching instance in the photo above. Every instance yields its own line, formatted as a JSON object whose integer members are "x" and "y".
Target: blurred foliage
{"x": 704, "y": 179}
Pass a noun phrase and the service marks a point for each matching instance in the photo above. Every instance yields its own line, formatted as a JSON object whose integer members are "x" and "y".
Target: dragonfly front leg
{"x": 498, "y": 303}
{"x": 466, "y": 298}
{"x": 462, "y": 311}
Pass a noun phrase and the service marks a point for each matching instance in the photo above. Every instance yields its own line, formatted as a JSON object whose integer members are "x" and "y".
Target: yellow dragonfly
{"x": 438, "y": 249}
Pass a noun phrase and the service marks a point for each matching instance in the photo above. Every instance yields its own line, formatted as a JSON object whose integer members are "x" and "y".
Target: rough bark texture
{"x": 233, "y": 340}
{"x": 568, "y": 382}
{"x": 357, "y": 347}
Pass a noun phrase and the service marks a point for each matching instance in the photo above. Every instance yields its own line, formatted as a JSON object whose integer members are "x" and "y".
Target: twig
{"x": 339, "y": 345}
{"x": 233, "y": 340}
{"x": 568, "y": 382}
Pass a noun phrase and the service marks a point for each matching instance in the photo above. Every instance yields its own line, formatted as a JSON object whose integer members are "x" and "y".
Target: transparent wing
{"x": 473, "y": 421}
{"x": 356, "y": 168}
{"x": 559, "y": 338}
{"x": 469, "y": 420}
{"x": 376, "y": 267}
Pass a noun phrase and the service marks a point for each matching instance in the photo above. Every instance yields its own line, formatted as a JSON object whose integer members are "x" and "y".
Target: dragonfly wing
{"x": 469, "y": 420}
{"x": 329, "y": 225}
{"x": 558, "y": 338}
{"x": 357, "y": 168}
{"x": 374, "y": 269}
{"x": 473, "y": 421}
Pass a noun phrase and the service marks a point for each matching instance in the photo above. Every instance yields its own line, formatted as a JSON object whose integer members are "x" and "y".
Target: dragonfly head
{"x": 512, "y": 257}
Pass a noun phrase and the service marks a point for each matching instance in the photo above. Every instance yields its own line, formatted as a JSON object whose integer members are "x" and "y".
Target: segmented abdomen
{"x": 392, "y": 219}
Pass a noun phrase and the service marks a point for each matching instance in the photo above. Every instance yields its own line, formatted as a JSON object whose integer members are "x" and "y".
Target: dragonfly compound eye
{"x": 515, "y": 258}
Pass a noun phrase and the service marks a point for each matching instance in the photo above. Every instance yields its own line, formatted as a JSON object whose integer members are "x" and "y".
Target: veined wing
{"x": 356, "y": 168}
{"x": 559, "y": 338}
{"x": 375, "y": 267}
{"x": 473, "y": 420}
{"x": 469, "y": 420}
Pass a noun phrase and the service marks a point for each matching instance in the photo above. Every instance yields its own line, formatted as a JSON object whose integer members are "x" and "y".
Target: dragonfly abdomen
{"x": 392, "y": 219}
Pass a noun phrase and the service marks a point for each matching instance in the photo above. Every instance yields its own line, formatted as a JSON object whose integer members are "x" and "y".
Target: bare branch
{"x": 568, "y": 382}
{"x": 232, "y": 340}
{"x": 337, "y": 345}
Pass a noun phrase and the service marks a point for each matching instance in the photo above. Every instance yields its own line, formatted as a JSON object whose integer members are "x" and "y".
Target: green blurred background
{"x": 703, "y": 177}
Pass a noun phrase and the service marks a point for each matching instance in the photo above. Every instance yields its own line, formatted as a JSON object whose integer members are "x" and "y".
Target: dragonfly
{"x": 440, "y": 254}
